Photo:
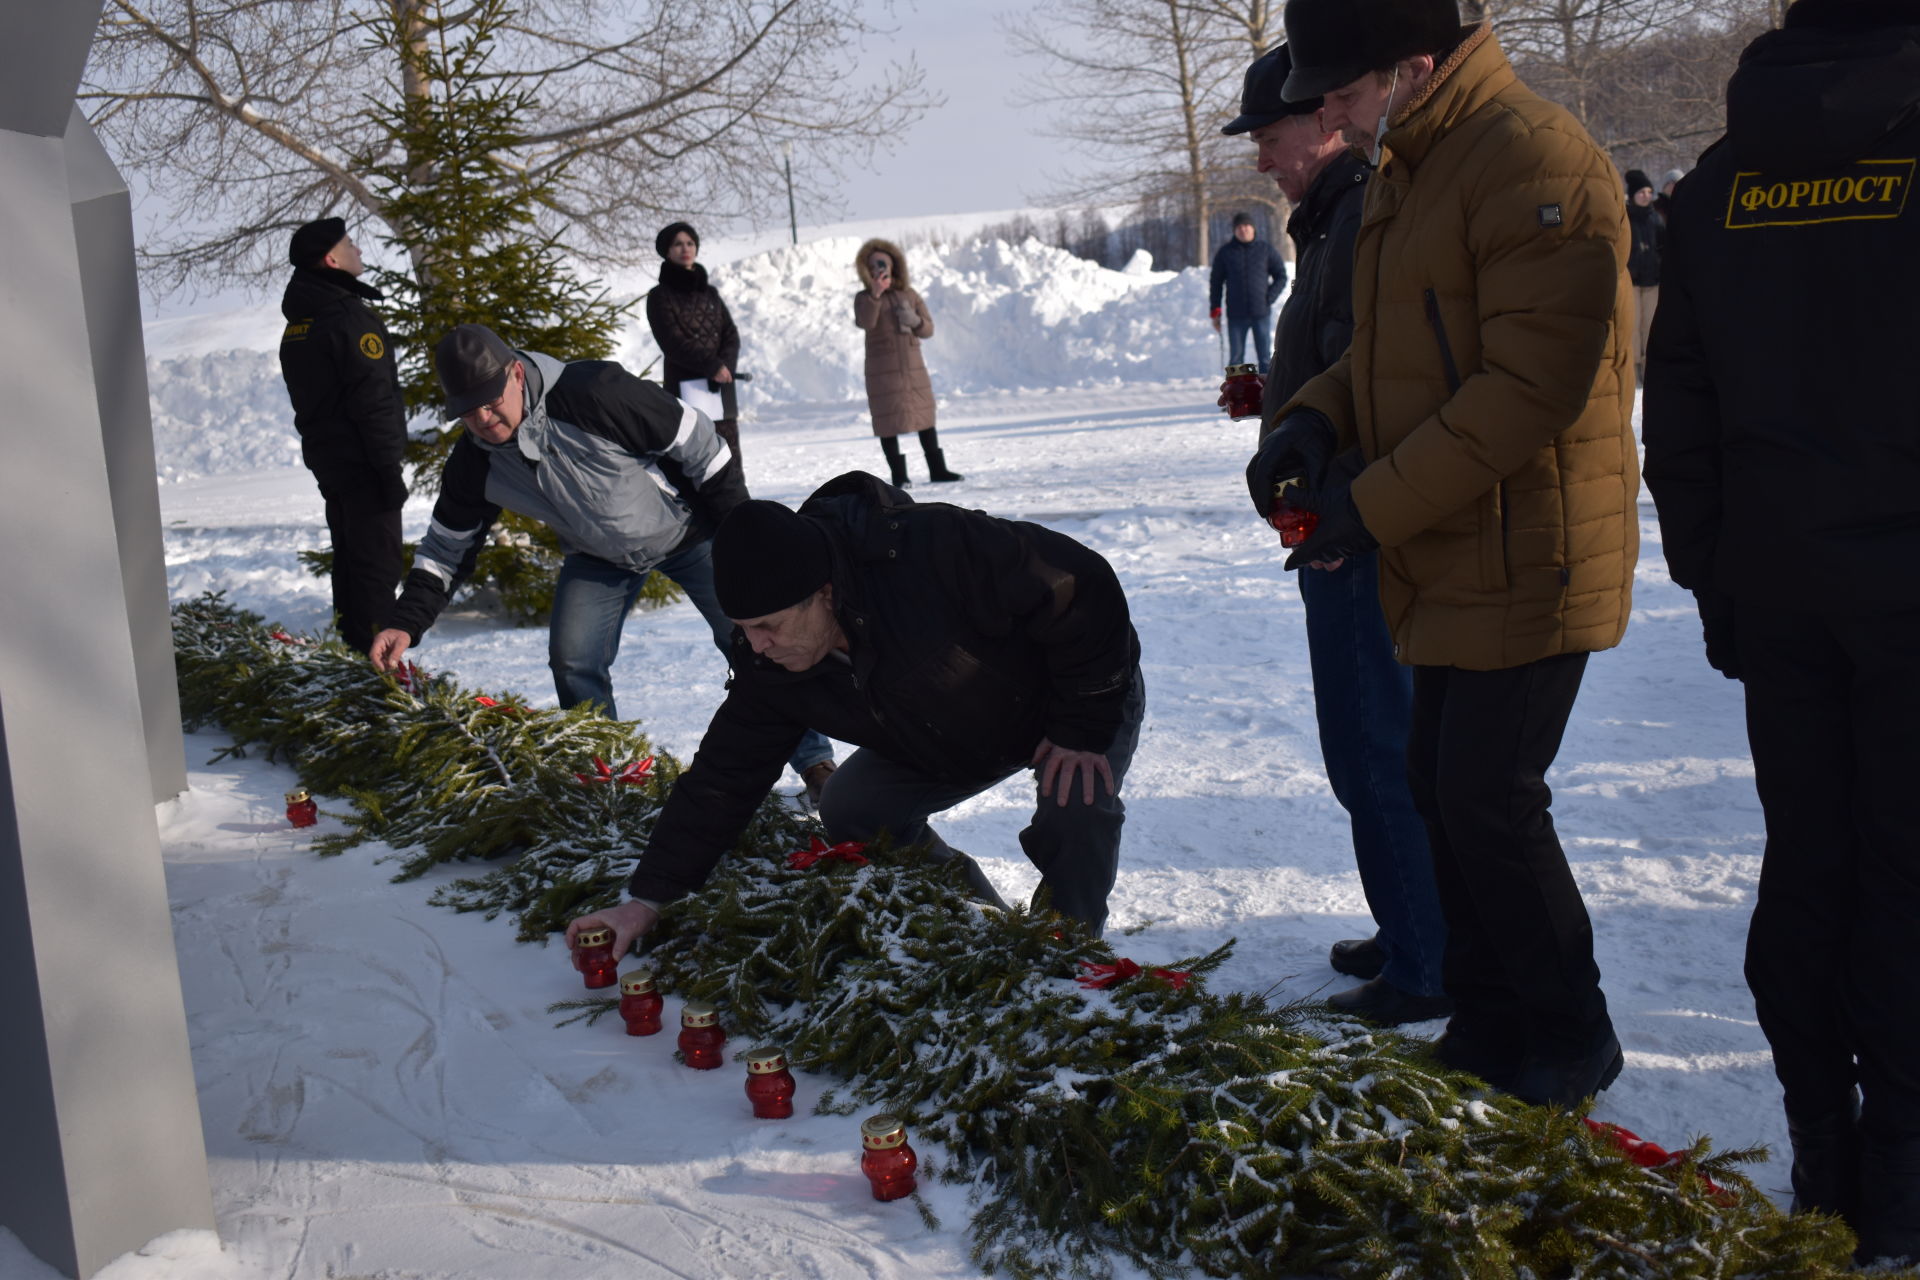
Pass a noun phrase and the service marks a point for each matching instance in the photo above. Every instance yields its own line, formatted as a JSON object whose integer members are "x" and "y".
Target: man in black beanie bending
{"x": 338, "y": 364}
{"x": 955, "y": 649}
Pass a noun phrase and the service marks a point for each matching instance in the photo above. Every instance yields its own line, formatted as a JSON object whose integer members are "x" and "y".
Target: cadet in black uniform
{"x": 338, "y": 363}
{"x": 1783, "y": 451}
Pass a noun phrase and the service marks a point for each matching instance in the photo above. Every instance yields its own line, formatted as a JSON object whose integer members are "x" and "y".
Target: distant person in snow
{"x": 956, "y": 649}
{"x": 1643, "y": 260}
{"x": 631, "y": 479}
{"x": 338, "y": 364}
{"x": 1362, "y": 697}
{"x": 1783, "y": 454}
{"x": 1489, "y": 390}
{"x": 1248, "y": 276}
{"x": 1663, "y": 203}
{"x": 899, "y": 392}
{"x": 698, "y": 343}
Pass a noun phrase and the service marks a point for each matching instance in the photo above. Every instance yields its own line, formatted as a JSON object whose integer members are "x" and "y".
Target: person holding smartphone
{"x": 899, "y": 392}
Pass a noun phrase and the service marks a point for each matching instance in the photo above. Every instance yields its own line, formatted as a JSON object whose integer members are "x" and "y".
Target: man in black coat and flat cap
{"x": 1362, "y": 696}
{"x": 955, "y": 649}
{"x": 1783, "y": 452}
{"x": 338, "y": 364}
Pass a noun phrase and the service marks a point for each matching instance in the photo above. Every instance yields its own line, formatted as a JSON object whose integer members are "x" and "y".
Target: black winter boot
{"x": 899, "y": 467}
{"x": 937, "y": 466}
{"x": 1888, "y": 1217}
{"x": 1826, "y": 1160}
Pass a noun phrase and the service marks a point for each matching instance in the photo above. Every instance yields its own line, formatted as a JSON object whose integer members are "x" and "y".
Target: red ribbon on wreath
{"x": 848, "y": 851}
{"x": 1650, "y": 1155}
{"x": 637, "y": 771}
{"x": 411, "y": 678}
{"x": 482, "y": 700}
{"x": 284, "y": 638}
{"x": 1098, "y": 977}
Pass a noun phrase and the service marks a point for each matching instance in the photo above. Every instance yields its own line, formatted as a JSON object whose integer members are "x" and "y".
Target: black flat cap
{"x": 1261, "y": 100}
{"x": 472, "y": 363}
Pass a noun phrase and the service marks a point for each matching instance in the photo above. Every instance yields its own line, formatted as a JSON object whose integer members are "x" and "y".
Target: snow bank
{"x": 1006, "y": 317}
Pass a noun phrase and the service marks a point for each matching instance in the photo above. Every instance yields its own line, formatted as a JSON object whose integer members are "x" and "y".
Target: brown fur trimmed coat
{"x": 899, "y": 392}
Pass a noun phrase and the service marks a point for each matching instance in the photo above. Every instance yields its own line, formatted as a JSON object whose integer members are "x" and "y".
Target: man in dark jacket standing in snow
{"x": 955, "y": 648}
{"x": 338, "y": 364}
{"x": 1363, "y": 697}
{"x": 1649, "y": 230}
{"x": 1783, "y": 452}
{"x": 1248, "y": 275}
{"x": 631, "y": 479}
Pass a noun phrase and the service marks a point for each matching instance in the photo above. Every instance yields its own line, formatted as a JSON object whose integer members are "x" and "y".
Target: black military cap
{"x": 1261, "y": 102}
{"x": 473, "y": 364}
{"x": 315, "y": 241}
{"x": 1335, "y": 42}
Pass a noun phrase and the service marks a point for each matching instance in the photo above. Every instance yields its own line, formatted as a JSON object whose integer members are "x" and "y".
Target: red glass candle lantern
{"x": 640, "y": 1004}
{"x": 301, "y": 810}
{"x": 769, "y": 1084}
{"x": 1243, "y": 390}
{"x": 701, "y": 1036}
{"x": 594, "y": 950}
{"x": 887, "y": 1161}
{"x": 1295, "y": 523}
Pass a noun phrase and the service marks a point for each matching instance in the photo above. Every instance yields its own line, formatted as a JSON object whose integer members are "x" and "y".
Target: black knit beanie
{"x": 668, "y": 232}
{"x": 767, "y": 558}
{"x": 1636, "y": 180}
{"x": 315, "y": 241}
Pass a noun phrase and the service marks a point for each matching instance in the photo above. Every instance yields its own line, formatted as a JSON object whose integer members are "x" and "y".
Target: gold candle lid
{"x": 298, "y": 796}
{"x": 764, "y": 1062}
{"x": 883, "y": 1133}
{"x": 699, "y": 1013}
{"x": 637, "y": 983}
{"x": 1235, "y": 370}
{"x": 595, "y": 937}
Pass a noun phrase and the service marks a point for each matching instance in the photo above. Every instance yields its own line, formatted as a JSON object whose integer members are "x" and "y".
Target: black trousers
{"x": 1519, "y": 959}
{"x": 1833, "y": 717}
{"x": 1075, "y": 846}
{"x": 367, "y": 557}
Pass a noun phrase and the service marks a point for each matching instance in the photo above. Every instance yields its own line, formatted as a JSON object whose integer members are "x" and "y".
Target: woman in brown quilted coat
{"x": 899, "y": 393}
{"x": 698, "y": 343}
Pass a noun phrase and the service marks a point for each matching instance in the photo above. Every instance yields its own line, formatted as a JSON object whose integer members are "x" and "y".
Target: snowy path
{"x": 384, "y": 1094}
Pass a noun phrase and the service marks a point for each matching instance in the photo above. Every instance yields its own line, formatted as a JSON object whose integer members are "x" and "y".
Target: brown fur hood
{"x": 892, "y": 250}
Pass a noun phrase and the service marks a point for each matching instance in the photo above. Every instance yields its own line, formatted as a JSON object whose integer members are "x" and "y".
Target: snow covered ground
{"x": 382, "y": 1091}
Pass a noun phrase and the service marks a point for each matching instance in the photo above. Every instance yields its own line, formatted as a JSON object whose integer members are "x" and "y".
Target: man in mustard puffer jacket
{"x": 1478, "y": 431}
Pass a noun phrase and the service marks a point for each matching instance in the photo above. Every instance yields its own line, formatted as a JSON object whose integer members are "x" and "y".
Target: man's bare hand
{"x": 725, "y": 375}
{"x": 1057, "y": 764}
{"x": 629, "y": 921}
{"x": 389, "y": 650}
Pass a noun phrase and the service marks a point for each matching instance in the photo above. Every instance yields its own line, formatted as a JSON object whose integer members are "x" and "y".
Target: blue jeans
{"x": 591, "y": 599}
{"x": 1261, "y": 327}
{"x": 1364, "y": 702}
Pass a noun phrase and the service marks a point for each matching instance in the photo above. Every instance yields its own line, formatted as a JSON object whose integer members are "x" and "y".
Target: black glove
{"x": 393, "y": 490}
{"x": 1341, "y": 533}
{"x": 1300, "y": 445}
{"x": 1716, "y": 627}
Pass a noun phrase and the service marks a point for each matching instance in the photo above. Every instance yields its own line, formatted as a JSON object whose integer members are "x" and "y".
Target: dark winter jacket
{"x": 1781, "y": 424}
{"x": 970, "y": 639}
{"x": 338, "y": 364}
{"x": 614, "y": 465}
{"x": 695, "y": 332}
{"x": 1317, "y": 322}
{"x": 1649, "y": 233}
{"x": 1251, "y": 273}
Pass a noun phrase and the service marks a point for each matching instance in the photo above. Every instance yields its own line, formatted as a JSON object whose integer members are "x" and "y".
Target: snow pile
{"x": 1006, "y": 317}
{"x": 223, "y": 413}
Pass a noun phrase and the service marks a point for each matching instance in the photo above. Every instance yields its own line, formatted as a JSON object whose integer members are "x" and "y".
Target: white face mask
{"x": 1386, "y": 114}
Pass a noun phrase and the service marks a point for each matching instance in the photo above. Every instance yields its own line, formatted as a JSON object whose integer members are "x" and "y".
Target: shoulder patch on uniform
{"x": 295, "y": 331}
{"x": 1550, "y": 215}
{"x": 1864, "y": 191}
{"x": 371, "y": 347}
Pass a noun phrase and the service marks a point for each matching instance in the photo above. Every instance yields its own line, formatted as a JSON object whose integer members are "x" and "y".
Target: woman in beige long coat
{"x": 899, "y": 393}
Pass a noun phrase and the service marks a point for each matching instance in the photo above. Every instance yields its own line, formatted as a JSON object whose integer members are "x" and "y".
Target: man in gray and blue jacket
{"x": 631, "y": 480}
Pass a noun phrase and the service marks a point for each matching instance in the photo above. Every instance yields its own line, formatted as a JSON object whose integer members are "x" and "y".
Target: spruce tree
{"x": 467, "y": 214}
